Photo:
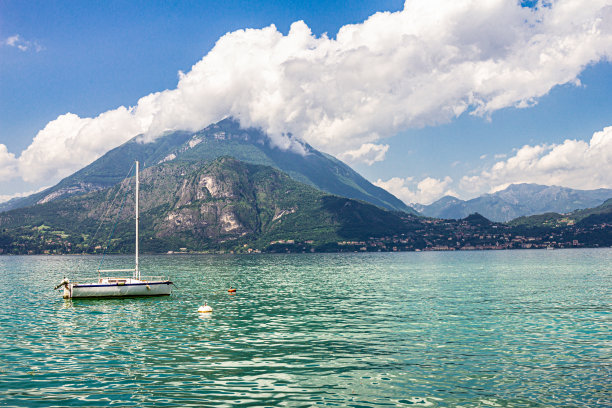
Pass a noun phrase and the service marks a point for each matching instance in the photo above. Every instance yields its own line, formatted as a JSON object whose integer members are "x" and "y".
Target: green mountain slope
{"x": 225, "y": 138}
{"x": 586, "y": 217}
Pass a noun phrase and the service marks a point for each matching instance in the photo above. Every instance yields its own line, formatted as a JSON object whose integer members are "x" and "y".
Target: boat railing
{"x": 149, "y": 278}
{"x": 125, "y": 278}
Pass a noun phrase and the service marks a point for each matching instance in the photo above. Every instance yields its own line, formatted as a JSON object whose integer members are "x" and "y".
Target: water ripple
{"x": 488, "y": 329}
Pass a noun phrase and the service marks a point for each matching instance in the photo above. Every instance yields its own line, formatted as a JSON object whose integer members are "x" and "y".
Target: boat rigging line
{"x": 108, "y": 208}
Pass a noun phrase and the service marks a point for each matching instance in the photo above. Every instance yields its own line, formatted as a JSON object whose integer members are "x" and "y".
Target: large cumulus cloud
{"x": 573, "y": 163}
{"x": 423, "y": 65}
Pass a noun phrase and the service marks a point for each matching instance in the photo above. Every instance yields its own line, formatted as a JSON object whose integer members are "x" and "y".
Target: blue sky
{"x": 89, "y": 58}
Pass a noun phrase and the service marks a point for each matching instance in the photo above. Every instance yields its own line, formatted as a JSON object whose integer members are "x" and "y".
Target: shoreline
{"x": 170, "y": 253}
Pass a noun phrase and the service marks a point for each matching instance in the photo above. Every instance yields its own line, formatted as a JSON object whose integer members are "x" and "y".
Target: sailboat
{"x": 116, "y": 286}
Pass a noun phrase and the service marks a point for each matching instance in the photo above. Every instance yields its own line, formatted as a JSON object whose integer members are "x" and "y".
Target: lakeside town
{"x": 472, "y": 233}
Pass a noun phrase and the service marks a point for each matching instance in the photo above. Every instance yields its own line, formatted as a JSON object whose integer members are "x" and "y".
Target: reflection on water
{"x": 512, "y": 328}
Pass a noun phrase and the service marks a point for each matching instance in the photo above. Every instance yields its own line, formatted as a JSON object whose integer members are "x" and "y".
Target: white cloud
{"x": 420, "y": 66}
{"x": 574, "y": 163}
{"x": 426, "y": 191}
{"x": 367, "y": 153}
{"x": 7, "y": 197}
{"x": 8, "y": 163}
{"x": 23, "y": 45}
{"x": 69, "y": 142}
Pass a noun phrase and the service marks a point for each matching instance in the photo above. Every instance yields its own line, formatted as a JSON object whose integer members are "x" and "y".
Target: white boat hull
{"x": 92, "y": 290}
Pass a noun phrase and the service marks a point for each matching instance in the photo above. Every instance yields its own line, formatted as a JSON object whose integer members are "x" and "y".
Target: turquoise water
{"x": 494, "y": 328}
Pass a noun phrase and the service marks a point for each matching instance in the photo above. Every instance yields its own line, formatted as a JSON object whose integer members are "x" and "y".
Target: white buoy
{"x": 205, "y": 309}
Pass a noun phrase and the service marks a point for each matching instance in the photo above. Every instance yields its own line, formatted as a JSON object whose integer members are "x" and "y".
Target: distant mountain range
{"x": 515, "y": 201}
{"x": 225, "y": 138}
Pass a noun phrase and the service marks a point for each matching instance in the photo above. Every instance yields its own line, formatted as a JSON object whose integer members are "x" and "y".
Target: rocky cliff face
{"x": 214, "y": 202}
{"x": 226, "y": 200}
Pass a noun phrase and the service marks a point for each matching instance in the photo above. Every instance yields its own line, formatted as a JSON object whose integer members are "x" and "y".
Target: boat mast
{"x": 136, "y": 269}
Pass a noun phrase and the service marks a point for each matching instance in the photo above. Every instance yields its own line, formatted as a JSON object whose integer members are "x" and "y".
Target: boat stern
{"x": 67, "y": 291}
{"x": 67, "y": 288}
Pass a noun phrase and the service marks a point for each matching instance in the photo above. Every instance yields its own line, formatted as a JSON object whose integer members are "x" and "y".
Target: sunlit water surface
{"x": 496, "y": 328}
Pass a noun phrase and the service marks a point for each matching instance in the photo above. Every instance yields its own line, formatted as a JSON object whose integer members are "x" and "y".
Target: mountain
{"x": 225, "y": 138}
{"x": 222, "y": 204}
{"x": 517, "y": 200}
{"x": 446, "y": 204}
{"x": 477, "y": 219}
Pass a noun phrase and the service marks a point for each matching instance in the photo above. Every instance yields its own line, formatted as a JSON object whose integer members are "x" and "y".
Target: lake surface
{"x": 446, "y": 329}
